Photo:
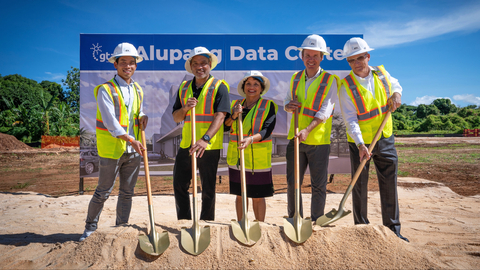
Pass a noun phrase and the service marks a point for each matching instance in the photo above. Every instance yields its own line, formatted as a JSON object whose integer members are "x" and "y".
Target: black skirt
{"x": 259, "y": 184}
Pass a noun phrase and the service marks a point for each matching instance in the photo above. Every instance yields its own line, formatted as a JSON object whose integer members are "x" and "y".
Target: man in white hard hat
{"x": 209, "y": 98}
{"x": 365, "y": 96}
{"x": 312, "y": 91}
{"x": 119, "y": 113}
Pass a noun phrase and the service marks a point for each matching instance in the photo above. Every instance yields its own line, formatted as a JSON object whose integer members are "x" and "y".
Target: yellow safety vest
{"x": 370, "y": 111}
{"x": 259, "y": 152}
{"x": 107, "y": 145}
{"x": 204, "y": 113}
{"x": 316, "y": 94}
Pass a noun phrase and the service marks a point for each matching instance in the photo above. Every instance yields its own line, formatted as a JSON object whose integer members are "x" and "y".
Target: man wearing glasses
{"x": 312, "y": 91}
{"x": 209, "y": 98}
{"x": 365, "y": 96}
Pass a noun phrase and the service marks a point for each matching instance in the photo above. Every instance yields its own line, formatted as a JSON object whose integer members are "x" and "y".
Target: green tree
{"x": 54, "y": 89}
{"x": 20, "y": 90}
{"x": 445, "y": 105}
{"x": 64, "y": 122}
{"x": 464, "y": 112}
{"x": 45, "y": 106}
{"x": 421, "y": 111}
{"x": 72, "y": 82}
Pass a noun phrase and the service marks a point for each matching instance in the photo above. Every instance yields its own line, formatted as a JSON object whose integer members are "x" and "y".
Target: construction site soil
{"x": 42, "y": 216}
{"x": 55, "y": 171}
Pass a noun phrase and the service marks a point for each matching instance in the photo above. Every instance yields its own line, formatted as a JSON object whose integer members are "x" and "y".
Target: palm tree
{"x": 45, "y": 107}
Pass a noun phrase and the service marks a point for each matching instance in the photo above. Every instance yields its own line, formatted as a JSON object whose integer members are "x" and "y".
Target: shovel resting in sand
{"x": 335, "y": 215}
{"x": 196, "y": 239}
{"x": 297, "y": 228}
{"x": 155, "y": 243}
{"x": 246, "y": 232}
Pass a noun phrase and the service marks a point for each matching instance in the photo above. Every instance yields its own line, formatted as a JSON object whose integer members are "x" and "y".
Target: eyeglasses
{"x": 359, "y": 59}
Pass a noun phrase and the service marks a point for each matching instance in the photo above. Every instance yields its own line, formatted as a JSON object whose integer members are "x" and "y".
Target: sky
{"x": 431, "y": 47}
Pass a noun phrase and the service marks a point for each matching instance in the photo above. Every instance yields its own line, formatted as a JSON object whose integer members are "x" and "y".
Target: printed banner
{"x": 163, "y": 70}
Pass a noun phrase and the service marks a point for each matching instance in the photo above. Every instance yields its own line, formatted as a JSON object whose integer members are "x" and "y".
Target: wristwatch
{"x": 206, "y": 138}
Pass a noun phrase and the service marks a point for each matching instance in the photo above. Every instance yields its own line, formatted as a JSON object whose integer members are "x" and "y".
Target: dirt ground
{"x": 55, "y": 171}
{"x": 42, "y": 217}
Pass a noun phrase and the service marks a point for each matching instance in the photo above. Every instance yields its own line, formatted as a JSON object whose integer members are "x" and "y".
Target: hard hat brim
{"x": 313, "y": 49}
{"x": 358, "y": 52}
{"x": 113, "y": 58}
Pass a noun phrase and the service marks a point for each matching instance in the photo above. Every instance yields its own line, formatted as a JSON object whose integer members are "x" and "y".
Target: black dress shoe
{"x": 403, "y": 238}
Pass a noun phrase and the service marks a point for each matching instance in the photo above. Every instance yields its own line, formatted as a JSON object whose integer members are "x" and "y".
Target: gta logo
{"x": 97, "y": 55}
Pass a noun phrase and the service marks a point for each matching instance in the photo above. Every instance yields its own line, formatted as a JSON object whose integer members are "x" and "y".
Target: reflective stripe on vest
{"x": 374, "y": 109}
{"x": 258, "y": 154}
{"x": 107, "y": 145}
{"x": 317, "y": 102}
{"x": 311, "y": 104}
{"x": 362, "y": 114}
{"x": 383, "y": 78}
{"x": 116, "y": 105}
{"x": 296, "y": 80}
{"x": 208, "y": 113}
{"x": 257, "y": 121}
{"x": 204, "y": 113}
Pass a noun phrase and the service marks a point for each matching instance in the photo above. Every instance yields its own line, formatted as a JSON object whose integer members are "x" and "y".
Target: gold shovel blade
{"x": 154, "y": 244}
{"x": 247, "y": 236}
{"x": 297, "y": 234}
{"x": 195, "y": 245}
{"x": 331, "y": 217}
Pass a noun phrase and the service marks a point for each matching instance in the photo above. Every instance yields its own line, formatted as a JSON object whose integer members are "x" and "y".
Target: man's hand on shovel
{"x": 137, "y": 145}
{"x": 364, "y": 153}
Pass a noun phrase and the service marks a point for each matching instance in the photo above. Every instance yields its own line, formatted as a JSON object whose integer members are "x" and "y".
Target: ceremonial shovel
{"x": 245, "y": 232}
{"x": 155, "y": 243}
{"x": 335, "y": 215}
{"x": 296, "y": 228}
{"x": 196, "y": 239}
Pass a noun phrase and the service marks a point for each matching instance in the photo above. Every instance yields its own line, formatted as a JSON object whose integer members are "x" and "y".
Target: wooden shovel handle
{"x": 145, "y": 164}
{"x": 193, "y": 156}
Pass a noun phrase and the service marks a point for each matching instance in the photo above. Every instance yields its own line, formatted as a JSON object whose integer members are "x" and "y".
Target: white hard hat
{"x": 316, "y": 43}
{"x": 355, "y": 46}
{"x": 125, "y": 49}
{"x": 201, "y": 51}
{"x": 258, "y": 75}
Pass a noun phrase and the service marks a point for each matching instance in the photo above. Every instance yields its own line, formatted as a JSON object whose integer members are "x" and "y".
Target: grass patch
{"x": 140, "y": 184}
{"x": 32, "y": 170}
{"x": 21, "y": 185}
{"x": 403, "y": 174}
{"x": 437, "y": 158}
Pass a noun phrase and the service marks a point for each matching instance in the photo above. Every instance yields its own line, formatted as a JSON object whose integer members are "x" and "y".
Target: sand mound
{"x": 10, "y": 143}
{"x": 360, "y": 247}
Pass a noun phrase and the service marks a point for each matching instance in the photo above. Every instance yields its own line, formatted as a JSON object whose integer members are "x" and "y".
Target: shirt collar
{"x": 122, "y": 82}
{"x": 369, "y": 76}
{"x": 194, "y": 79}
{"x": 315, "y": 76}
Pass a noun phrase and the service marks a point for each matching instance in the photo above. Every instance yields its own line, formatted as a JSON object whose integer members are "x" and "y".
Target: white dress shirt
{"x": 327, "y": 106}
{"x": 107, "y": 109}
{"x": 349, "y": 111}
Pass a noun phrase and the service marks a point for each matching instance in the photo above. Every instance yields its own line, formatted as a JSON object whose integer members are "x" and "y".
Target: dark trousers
{"x": 182, "y": 177}
{"x": 385, "y": 158}
{"x": 316, "y": 157}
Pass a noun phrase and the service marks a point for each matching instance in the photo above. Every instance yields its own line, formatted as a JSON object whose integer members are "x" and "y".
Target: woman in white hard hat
{"x": 259, "y": 117}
